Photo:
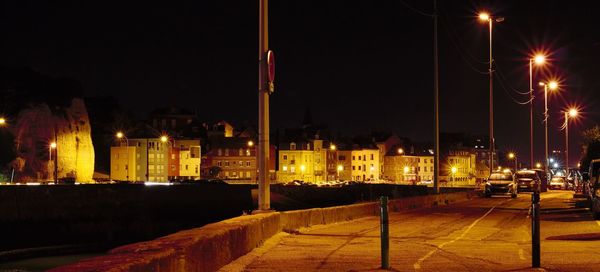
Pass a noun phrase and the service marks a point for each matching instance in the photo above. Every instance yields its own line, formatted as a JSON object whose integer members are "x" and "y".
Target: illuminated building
{"x": 150, "y": 159}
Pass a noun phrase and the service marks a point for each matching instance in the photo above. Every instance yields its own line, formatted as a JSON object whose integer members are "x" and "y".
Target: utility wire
{"x": 462, "y": 55}
{"x": 452, "y": 33}
{"x": 509, "y": 95}
{"x": 504, "y": 77}
{"x": 415, "y": 9}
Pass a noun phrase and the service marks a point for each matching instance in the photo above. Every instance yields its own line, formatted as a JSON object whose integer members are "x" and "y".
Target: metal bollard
{"x": 535, "y": 230}
{"x": 385, "y": 234}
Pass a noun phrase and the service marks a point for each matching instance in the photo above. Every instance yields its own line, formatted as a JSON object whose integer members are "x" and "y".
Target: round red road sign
{"x": 271, "y": 65}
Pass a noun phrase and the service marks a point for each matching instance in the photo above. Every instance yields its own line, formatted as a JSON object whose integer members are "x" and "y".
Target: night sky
{"x": 357, "y": 65}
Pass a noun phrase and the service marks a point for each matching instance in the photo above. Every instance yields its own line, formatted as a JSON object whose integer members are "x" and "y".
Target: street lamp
{"x": 2, "y": 121}
{"x": 453, "y": 170}
{"x": 400, "y": 151}
{"x": 332, "y": 147}
{"x": 486, "y": 17}
{"x": 552, "y": 85}
{"x": 339, "y": 168}
{"x": 571, "y": 113}
{"x": 538, "y": 59}
{"x": 121, "y": 136}
{"x": 512, "y": 156}
{"x": 53, "y": 147}
{"x": 250, "y": 143}
{"x": 538, "y": 165}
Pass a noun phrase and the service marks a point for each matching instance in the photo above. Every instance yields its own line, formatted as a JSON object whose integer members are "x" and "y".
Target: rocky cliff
{"x": 38, "y": 125}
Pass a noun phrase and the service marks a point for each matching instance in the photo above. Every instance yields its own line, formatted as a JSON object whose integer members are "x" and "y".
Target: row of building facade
{"x": 309, "y": 154}
{"x": 235, "y": 159}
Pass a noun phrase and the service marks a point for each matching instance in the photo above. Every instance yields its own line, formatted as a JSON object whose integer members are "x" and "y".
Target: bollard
{"x": 385, "y": 234}
{"x": 535, "y": 229}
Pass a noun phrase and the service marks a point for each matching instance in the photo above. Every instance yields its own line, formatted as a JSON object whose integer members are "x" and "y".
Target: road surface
{"x": 482, "y": 234}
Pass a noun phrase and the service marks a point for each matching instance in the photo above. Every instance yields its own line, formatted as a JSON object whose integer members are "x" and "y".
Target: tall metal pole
{"x": 436, "y": 131}
{"x": 264, "y": 201}
{"x": 491, "y": 100}
{"x": 567, "y": 142}
{"x": 546, "y": 125}
{"x": 531, "y": 113}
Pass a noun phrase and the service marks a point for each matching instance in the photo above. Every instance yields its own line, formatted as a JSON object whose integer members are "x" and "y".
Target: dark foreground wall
{"x": 35, "y": 216}
{"x": 306, "y": 197}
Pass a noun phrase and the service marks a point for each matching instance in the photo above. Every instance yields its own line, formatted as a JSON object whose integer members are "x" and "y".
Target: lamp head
{"x": 539, "y": 59}
{"x": 573, "y": 113}
{"x": 484, "y": 16}
{"x": 120, "y": 135}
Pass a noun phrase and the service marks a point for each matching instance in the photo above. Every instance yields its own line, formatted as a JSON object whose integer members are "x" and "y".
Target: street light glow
{"x": 454, "y": 169}
{"x": 555, "y": 165}
{"x": 332, "y": 147}
{"x": 250, "y": 143}
{"x": 573, "y": 113}
{"x": 164, "y": 138}
{"x": 538, "y": 165}
{"x": 539, "y": 59}
{"x": 119, "y": 135}
{"x": 400, "y": 151}
{"x": 553, "y": 85}
{"x": 2, "y": 121}
{"x": 484, "y": 16}
{"x": 53, "y": 145}
{"x": 551, "y": 160}
{"x": 302, "y": 168}
{"x": 340, "y": 168}
{"x": 511, "y": 155}
{"x": 406, "y": 169}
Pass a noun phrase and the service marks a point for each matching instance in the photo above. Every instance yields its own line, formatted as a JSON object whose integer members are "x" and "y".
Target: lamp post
{"x": 121, "y": 136}
{"x": 166, "y": 139}
{"x": 486, "y": 17}
{"x": 453, "y": 170}
{"x": 572, "y": 113}
{"x": 538, "y": 60}
{"x": 50, "y": 149}
{"x": 512, "y": 156}
{"x": 552, "y": 85}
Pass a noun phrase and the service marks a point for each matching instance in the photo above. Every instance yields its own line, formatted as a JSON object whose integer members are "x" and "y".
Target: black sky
{"x": 357, "y": 65}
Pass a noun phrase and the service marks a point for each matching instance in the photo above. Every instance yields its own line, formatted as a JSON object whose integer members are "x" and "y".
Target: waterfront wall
{"x": 211, "y": 247}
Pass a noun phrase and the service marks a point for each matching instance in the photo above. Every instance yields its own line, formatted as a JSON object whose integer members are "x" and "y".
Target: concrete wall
{"x": 210, "y": 247}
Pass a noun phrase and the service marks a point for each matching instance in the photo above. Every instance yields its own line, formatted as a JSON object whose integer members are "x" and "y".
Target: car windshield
{"x": 526, "y": 175}
{"x": 500, "y": 176}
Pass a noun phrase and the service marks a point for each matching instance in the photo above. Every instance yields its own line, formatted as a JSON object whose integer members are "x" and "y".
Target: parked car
{"x": 501, "y": 183}
{"x": 558, "y": 183}
{"x": 594, "y": 173}
{"x": 527, "y": 180}
{"x": 543, "y": 179}
{"x": 574, "y": 179}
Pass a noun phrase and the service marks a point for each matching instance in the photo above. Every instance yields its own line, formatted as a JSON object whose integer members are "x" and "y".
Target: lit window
{"x": 284, "y": 168}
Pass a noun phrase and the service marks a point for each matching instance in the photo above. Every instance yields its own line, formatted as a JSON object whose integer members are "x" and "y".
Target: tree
{"x": 214, "y": 171}
{"x": 591, "y": 146}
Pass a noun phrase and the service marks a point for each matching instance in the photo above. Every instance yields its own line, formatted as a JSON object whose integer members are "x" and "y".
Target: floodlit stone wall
{"x": 39, "y": 125}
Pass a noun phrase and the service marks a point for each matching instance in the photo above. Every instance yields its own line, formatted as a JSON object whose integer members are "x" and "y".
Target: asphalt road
{"x": 476, "y": 235}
